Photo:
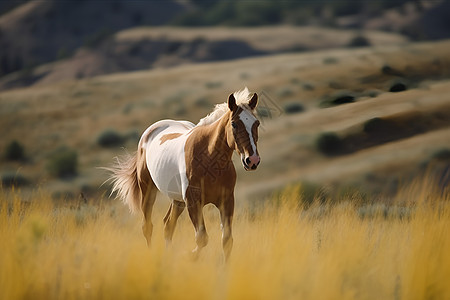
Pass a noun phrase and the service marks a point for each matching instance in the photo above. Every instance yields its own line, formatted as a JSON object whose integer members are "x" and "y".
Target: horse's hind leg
{"x": 147, "y": 208}
{"x": 170, "y": 220}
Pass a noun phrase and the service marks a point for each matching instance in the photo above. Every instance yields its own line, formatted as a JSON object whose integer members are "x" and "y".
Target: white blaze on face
{"x": 249, "y": 119}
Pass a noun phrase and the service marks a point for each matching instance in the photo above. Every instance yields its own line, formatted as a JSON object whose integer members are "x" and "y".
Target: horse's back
{"x": 164, "y": 143}
{"x": 164, "y": 126}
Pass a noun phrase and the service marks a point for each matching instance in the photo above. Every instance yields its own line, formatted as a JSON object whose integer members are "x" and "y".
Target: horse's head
{"x": 243, "y": 131}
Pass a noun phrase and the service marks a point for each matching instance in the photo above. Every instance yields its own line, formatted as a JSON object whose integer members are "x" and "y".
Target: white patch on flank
{"x": 166, "y": 162}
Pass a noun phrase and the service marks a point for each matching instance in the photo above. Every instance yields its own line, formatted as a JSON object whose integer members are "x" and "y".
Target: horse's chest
{"x": 209, "y": 170}
{"x": 213, "y": 169}
{"x": 211, "y": 183}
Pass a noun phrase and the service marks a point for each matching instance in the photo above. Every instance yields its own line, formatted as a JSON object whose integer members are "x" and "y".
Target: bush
{"x": 371, "y": 93}
{"x": 133, "y": 136}
{"x": 359, "y": 41}
{"x": 373, "y": 125}
{"x": 388, "y": 70}
{"x": 63, "y": 163}
{"x": 293, "y": 108}
{"x": 398, "y": 87}
{"x": 443, "y": 155}
{"x": 329, "y": 143}
{"x": 202, "y": 102}
{"x": 263, "y": 112}
{"x": 14, "y": 151}
{"x": 308, "y": 87}
{"x": 109, "y": 138}
{"x": 343, "y": 99}
{"x": 285, "y": 92}
{"x": 338, "y": 99}
{"x": 10, "y": 179}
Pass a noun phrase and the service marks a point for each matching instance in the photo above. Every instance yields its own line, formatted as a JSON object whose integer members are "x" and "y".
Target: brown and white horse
{"x": 192, "y": 165}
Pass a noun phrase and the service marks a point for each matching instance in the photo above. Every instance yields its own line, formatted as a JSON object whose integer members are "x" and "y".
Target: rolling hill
{"x": 387, "y": 106}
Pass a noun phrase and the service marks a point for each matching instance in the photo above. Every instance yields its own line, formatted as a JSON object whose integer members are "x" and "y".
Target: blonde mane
{"x": 242, "y": 97}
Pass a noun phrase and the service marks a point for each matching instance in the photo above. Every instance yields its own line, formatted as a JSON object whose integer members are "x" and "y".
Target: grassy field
{"x": 353, "y": 247}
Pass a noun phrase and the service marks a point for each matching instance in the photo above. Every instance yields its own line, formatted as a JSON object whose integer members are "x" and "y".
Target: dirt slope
{"x": 74, "y": 114}
{"x": 143, "y": 48}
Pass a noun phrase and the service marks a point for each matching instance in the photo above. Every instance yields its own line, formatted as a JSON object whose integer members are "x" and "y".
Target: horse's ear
{"x": 232, "y": 102}
{"x": 253, "y": 102}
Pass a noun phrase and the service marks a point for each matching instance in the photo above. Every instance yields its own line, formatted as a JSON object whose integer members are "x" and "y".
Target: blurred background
{"x": 354, "y": 95}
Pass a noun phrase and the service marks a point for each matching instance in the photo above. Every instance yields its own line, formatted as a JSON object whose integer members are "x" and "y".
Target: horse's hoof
{"x": 194, "y": 255}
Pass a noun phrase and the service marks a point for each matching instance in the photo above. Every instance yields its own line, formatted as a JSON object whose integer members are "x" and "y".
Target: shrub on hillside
{"x": 63, "y": 163}
{"x": 202, "y": 102}
{"x": 308, "y": 87}
{"x": 398, "y": 86}
{"x": 371, "y": 93}
{"x": 343, "y": 99}
{"x": 10, "y": 179}
{"x": 442, "y": 155}
{"x": 359, "y": 41}
{"x": 373, "y": 125}
{"x": 263, "y": 112}
{"x": 329, "y": 143}
{"x": 339, "y": 98}
{"x": 285, "y": 92}
{"x": 109, "y": 138}
{"x": 14, "y": 151}
{"x": 293, "y": 108}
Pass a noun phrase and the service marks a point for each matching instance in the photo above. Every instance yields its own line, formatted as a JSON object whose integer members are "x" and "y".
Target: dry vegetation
{"x": 352, "y": 247}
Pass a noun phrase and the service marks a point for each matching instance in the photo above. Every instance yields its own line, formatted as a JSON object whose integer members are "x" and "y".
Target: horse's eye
{"x": 233, "y": 125}
{"x": 257, "y": 123}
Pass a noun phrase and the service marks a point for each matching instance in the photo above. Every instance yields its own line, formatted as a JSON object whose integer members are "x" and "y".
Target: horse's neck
{"x": 217, "y": 136}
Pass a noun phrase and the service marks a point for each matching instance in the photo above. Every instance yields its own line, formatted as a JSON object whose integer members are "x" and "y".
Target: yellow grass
{"x": 345, "y": 250}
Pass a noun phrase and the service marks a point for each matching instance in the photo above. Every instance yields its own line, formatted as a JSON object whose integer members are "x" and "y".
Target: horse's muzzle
{"x": 250, "y": 163}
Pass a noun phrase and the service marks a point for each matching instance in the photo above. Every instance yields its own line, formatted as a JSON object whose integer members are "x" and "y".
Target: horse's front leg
{"x": 226, "y": 216}
{"x": 195, "y": 210}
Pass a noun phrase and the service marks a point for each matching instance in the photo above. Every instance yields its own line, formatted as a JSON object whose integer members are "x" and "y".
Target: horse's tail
{"x": 130, "y": 179}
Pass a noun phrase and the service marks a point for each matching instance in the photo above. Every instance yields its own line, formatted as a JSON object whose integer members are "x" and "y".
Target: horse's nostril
{"x": 247, "y": 160}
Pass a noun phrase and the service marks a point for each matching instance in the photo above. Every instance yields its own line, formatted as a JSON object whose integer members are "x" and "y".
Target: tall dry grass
{"x": 351, "y": 249}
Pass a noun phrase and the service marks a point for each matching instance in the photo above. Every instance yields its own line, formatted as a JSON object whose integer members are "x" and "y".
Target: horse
{"x": 192, "y": 165}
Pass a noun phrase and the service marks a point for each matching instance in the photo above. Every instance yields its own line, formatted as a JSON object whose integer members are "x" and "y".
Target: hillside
{"x": 143, "y": 48}
{"x": 50, "y": 41}
{"x": 38, "y": 32}
{"x": 386, "y": 137}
